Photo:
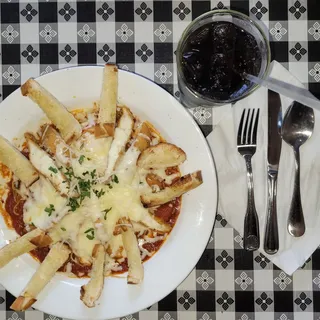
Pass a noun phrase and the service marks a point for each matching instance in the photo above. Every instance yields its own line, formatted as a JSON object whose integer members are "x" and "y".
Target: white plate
{"x": 166, "y": 270}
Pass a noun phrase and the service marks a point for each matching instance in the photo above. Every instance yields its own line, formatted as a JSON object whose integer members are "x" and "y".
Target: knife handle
{"x": 271, "y": 236}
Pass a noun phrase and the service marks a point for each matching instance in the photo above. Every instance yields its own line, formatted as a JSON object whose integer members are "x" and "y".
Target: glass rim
{"x": 184, "y": 35}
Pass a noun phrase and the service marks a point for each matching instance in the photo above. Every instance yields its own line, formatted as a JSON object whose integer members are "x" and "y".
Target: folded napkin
{"x": 231, "y": 170}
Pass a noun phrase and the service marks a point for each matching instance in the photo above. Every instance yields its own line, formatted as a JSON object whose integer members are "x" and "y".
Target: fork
{"x": 247, "y": 145}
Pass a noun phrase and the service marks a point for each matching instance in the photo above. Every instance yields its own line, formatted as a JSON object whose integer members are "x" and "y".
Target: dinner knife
{"x": 271, "y": 238}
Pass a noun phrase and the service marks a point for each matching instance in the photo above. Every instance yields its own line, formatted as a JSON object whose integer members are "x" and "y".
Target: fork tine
{"x": 250, "y": 138}
{"x": 239, "y": 141}
{"x": 255, "y": 128}
{"x": 245, "y": 130}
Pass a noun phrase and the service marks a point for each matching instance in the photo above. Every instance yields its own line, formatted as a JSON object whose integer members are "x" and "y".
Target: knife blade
{"x": 271, "y": 239}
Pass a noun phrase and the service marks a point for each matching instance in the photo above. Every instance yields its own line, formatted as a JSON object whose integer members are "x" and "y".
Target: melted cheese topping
{"x": 44, "y": 194}
{"x": 95, "y": 152}
{"x": 47, "y": 166}
{"x": 98, "y": 212}
{"x": 61, "y": 155}
{"x": 115, "y": 245}
{"x": 85, "y": 243}
{"x": 126, "y": 169}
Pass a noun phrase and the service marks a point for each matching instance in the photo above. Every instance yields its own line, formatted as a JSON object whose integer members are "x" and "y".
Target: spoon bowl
{"x": 297, "y": 128}
{"x": 298, "y": 124}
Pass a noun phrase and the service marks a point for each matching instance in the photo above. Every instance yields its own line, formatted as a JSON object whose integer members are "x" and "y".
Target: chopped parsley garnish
{"x": 106, "y": 212}
{"x": 81, "y": 159}
{"x": 93, "y": 173}
{"x": 69, "y": 173}
{"x": 141, "y": 182}
{"x": 99, "y": 193}
{"x": 90, "y": 233}
{"x": 50, "y": 209}
{"x": 54, "y": 170}
{"x": 84, "y": 194}
{"x": 73, "y": 204}
{"x": 115, "y": 179}
{"x": 85, "y": 187}
{"x": 89, "y": 230}
{"x": 110, "y": 186}
{"x": 63, "y": 229}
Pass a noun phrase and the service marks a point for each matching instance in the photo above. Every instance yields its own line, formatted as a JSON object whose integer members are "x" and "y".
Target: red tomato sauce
{"x": 168, "y": 213}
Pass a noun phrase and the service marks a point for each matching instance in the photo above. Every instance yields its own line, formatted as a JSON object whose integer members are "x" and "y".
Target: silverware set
{"x": 295, "y": 129}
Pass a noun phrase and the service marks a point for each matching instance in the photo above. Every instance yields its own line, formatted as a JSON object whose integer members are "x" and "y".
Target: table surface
{"x": 141, "y": 36}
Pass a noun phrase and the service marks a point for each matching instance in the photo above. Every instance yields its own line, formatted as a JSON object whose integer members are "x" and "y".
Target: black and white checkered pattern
{"x": 38, "y": 37}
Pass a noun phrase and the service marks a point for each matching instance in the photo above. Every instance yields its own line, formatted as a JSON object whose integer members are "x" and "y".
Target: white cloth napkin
{"x": 231, "y": 170}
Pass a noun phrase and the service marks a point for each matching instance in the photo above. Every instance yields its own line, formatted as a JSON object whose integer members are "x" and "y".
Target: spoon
{"x": 297, "y": 128}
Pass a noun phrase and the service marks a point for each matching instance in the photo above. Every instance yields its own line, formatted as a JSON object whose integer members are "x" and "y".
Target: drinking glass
{"x": 189, "y": 97}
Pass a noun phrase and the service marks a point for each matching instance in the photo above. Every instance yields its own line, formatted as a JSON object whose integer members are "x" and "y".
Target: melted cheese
{"x": 67, "y": 229}
{"x": 168, "y": 179}
{"x": 123, "y": 198}
{"x": 91, "y": 207}
{"x": 162, "y": 174}
{"x": 141, "y": 183}
{"x": 44, "y": 195}
{"x": 95, "y": 152}
{"x": 125, "y": 202}
{"x": 60, "y": 154}
{"x": 126, "y": 169}
{"x": 121, "y": 137}
{"x": 72, "y": 227}
{"x": 85, "y": 244}
{"x": 46, "y": 165}
{"x": 116, "y": 246}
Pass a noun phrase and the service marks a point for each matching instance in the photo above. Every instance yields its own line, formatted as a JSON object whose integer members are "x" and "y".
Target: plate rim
{"x": 211, "y": 162}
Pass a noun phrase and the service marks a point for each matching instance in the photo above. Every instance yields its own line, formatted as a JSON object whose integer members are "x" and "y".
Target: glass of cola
{"x": 215, "y": 52}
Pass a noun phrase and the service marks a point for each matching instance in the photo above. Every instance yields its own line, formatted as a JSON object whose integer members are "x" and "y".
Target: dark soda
{"x": 214, "y": 58}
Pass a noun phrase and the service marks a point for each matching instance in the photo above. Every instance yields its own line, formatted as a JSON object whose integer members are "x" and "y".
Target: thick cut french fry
{"x": 121, "y": 137}
{"x": 91, "y": 292}
{"x": 103, "y": 130}
{"x": 152, "y": 223}
{"x": 163, "y": 155}
{"x": 143, "y": 138}
{"x": 130, "y": 242}
{"x": 56, "y": 257}
{"x": 184, "y": 184}
{"x": 66, "y": 123}
{"x": 42, "y": 240}
{"x": 24, "y": 244}
{"x": 17, "y": 162}
{"x": 46, "y": 165}
{"x": 51, "y": 139}
{"x": 126, "y": 167}
{"x": 109, "y": 94}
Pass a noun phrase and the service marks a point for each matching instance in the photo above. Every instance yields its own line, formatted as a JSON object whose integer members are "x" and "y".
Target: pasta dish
{"x": 92, "y": 192}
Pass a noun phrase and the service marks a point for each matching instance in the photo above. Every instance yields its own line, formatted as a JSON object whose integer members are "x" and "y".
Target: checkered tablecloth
{"x": 141, "y": 36}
